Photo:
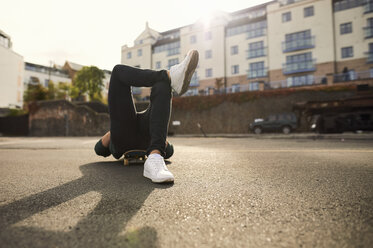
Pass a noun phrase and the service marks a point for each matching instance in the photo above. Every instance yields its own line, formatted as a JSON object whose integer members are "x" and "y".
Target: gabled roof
{"x": 74, "y": 66}
{"x": 148, "y": 33}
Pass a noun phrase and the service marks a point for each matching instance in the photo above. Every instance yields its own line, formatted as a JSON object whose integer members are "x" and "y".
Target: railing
{"x": 194, "y": 82}
{"x": 288, "y": 84}
{"x": 368, "y": 7}
{"x": 368, "y": 32}
{"x": 298, "y": 44}
{"x": 52, "y": 71}
{"x": 261, "y": 52}
{"x": 352, "y": 75}
{"x": 257, "y": 73}
{"x": 303, "y": 66}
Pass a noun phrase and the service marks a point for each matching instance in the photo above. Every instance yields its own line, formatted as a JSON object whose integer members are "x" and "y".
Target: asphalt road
{"x": 228, "y": 192}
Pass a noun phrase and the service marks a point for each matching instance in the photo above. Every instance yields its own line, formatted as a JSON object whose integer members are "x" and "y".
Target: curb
{"x": 313, "y": 136}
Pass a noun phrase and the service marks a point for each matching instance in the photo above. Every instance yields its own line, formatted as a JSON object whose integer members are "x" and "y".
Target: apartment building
{"x": 40, "y": 74}
{"x": 11, "y": 73}
{"x": 282, "y": 43}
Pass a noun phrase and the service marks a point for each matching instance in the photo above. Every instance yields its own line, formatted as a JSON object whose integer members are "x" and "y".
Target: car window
{"x": 272, "y": 118}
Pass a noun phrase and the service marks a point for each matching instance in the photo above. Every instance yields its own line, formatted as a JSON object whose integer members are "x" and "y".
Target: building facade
{"x": 282, "y": 43}
{"x": 40, "y": 74}
{"x": 11, "y": 74}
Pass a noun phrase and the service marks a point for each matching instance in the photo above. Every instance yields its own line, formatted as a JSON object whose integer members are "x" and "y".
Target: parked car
{"x": 284, "y": 122}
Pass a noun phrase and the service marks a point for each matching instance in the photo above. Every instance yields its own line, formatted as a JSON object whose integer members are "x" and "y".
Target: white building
{"x": 11, "y": 74}
{"x": 282, "y": 43}
{"x": 40, "y": 74}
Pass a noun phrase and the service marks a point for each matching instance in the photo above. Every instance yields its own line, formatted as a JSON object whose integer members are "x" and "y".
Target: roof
{"x": 74, "y": 66}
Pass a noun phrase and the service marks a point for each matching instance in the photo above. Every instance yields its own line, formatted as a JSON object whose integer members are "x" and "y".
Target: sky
{"x": 92, "y": 32}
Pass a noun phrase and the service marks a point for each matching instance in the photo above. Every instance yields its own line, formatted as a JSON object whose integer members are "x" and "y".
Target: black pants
{"x": 130, "y": 129}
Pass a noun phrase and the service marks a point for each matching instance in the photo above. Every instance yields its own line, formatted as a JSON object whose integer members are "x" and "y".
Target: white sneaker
{"x": 182, "y": 73}
{"x": 156, "y": 170}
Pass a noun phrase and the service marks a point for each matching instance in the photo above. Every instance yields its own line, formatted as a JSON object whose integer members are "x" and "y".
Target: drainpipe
{"x": 334, "y": 42}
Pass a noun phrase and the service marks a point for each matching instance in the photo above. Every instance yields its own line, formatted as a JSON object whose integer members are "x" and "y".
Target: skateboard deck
{"x": 134, "y": 157}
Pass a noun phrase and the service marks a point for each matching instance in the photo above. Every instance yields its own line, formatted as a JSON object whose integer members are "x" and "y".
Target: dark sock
{"x": 101, "y": 150}
{"x": 169, "y": 151}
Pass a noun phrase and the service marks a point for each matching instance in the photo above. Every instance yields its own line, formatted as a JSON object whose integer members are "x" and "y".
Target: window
{"x": 299, "y": 63}
{"x": 253, "y": 86}
{"x": 234, "y": 50}
{"x": 235, "y": 88}
{"x": 171, "y": 48}
{"x": 129, "y": 55}
{"x": 257, "y": 70}
{"x": 139, "y": 52}
{"x": 172, "y": 62}
{"x": 256, "y": 49}
{"x": 347, "y": 52}
{"x": 235, "y": 69}
{"x": 208, "y": 54}
{"x": 369, "y": 28}
{"x": 209, "y": 72}
{"x": 4, "y": 41}
{"x": 347, "y": 4}
{"x": 158, "y": 65}
{"x": 298, "y": 41}
{"x": 309, "y": 11}
{"x": 208, "y": 35}
{"x": 193, "y": 39}
{"x": 370, "y": 53}
{"x": 286, "y": 17}
{"x": 255, "y": 29}
{"x": 345, "y": 28}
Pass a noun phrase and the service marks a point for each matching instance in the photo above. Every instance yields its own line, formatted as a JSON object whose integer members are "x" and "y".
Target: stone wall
{"x": 232, "y": 113}
{"x": 63, "y": 118}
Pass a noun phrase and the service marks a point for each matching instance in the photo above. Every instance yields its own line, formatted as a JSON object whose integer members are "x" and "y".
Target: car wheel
{"x": 257, "y": 130}
{"x": 286, "y": 129}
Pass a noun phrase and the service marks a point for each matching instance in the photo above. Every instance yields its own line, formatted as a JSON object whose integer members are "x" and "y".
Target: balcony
{"x": 299, "y": 44}
{"x": 368, "y": 31}
{"x": 368, "y": 7}
{"x": 256, "y": 53}
{"x": 302, "y": 66}
{"x": 260, "y": 73}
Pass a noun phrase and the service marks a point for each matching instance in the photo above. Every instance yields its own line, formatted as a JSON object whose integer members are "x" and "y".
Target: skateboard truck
{"x": 134, "y": 157}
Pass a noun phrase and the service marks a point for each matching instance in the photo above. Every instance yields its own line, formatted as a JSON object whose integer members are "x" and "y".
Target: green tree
{"x": 35, "y": 93}
{"x": 89, "y": 80}
{"x": 52, "y": 91}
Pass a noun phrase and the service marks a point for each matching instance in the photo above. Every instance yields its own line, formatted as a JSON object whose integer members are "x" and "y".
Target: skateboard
{"x": 134, "y": 157}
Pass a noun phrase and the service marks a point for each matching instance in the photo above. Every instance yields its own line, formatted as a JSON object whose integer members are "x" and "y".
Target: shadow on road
{"x": 123, "y": 191}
